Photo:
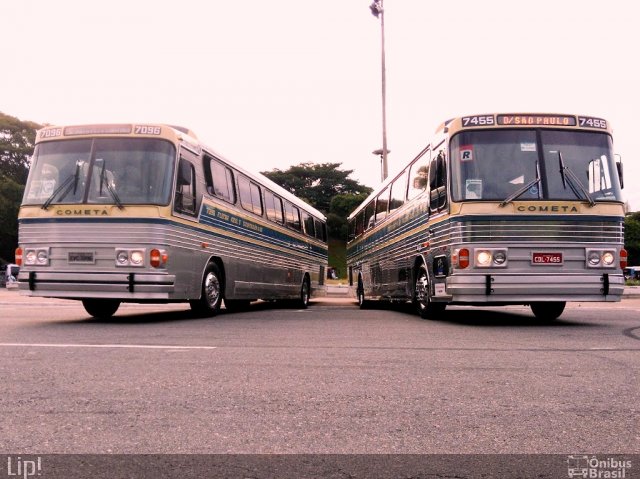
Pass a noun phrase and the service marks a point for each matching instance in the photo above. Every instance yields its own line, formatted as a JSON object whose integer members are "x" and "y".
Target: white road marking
{"x": 104, "y": 346}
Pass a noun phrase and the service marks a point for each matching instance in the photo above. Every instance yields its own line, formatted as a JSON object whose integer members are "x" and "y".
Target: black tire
{"x": 210, "y": 293}
{"x": 426, "y": 308}
{"x": 305, "y": 294}
{"x": 101, "y": 308}
{"x": 549, "y": 310}
{"x": 362, "y": 303}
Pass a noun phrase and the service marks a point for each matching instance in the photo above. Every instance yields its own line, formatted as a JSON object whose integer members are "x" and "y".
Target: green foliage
{"x": 632, "y": 238}
{"x": 317, "y": 184}
{"x": 10, "y": 197}
{"x": 17, "y": 139}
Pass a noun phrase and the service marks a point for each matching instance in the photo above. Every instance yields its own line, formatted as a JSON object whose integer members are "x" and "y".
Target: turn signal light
{"x": 158, "y": 258}
{"x": 463, "y": 258}
{"x": 19, "y": 256}
{"x": 623, "y": 258}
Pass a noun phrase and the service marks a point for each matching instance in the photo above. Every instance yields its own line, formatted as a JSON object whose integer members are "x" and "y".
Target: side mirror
{"x": 620, "y": 170}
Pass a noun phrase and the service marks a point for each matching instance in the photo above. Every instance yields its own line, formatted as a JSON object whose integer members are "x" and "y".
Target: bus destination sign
{"x": 537, "y": 120}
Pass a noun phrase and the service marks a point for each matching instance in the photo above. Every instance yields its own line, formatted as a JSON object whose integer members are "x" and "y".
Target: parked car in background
{"x": 9, "y": 276}
{"x": 632, "y": 272}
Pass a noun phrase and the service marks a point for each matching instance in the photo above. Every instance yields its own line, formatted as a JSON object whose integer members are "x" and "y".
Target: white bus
{"x": 146, "y": 213}
{"x": 496, "y": 209}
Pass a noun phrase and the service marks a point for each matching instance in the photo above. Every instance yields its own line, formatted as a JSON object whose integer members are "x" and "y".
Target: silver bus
{"x": 497, "y": 209}
{"x": 146, "y": 213}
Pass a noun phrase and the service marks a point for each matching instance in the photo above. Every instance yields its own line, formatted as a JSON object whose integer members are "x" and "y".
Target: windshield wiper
{"x": 516, "y": 194}
{"x": 570, "y": 177}
{"x": 110, "y": 188}
{"x": 72, "y": 180}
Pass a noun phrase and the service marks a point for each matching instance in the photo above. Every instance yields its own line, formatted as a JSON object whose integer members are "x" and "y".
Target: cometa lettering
{"x": 548, "y": 209}
{"x": 82, "y": 212}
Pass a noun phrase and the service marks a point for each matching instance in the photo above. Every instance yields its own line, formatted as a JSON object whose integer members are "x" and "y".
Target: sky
{"x": 270, "y": 84}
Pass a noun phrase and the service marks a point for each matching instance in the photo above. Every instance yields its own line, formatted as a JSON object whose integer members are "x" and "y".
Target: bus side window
{"x": 382, "y": 205}
{"x": 250, "y": 197}
{"x": 185, "y": 201}
{"x": 321, "y": 230}
{"x": 220, "y": 181}
{"x": 307, "y": 220}
{"x": 369, "y": 218}
{"x": 418, "y": 176}
{"x": 293, "y": 216}
{"x": 359, "y": 223}
{"x": 352, "y": 229}
{"x": 273, "y": 205}
{"x": 398, "y": 192}
{"x": 438, "y": 182}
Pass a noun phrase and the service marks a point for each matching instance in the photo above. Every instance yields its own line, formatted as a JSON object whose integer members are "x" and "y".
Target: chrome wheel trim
{"x": 212, "y": 289}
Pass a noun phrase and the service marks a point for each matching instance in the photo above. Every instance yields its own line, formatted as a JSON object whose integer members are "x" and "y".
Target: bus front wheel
{"x": 548, "y": 311}
{"x": 210, "y": 294}
{"x": 101, "y": 308}
{"x": 426, "y": 308}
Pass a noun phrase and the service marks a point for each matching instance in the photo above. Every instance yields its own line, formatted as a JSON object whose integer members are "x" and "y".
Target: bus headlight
{"x": 490, "y": 258}
{"x": 500, "y": 258}
{"x": 30, "y": 257}
{"x": 36, "y": 256}
{"x": 130, "y": 257}
{"x": 42, "y": 257}
{"x": 137, "y": 258}
{"x": 483, "y": 258}
{"x": 600, "y": 258}
{"x": 122, "y": 258}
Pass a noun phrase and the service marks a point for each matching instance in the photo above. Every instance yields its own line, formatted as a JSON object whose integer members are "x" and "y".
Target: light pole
{"x": 377, "y": 10}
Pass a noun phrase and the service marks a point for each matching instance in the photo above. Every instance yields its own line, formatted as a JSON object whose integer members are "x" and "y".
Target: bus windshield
{"x": 101, "y": 171}
{"x": 504, "y": 165}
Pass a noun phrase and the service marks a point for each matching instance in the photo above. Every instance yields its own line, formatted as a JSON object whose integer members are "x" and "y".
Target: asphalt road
{"x": 329, "y": 379}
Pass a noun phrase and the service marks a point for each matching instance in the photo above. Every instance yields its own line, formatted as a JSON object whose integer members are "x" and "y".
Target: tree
{"x": 632, "y": 238}
{"x": 317, "y": 183}
{"x": 10, "y": 197}
{"x": 17, "y": 140}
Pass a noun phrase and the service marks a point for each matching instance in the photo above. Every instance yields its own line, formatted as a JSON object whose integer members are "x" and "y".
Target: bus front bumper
{"x": 522, "y": 288}
{"x": 123, "y": 286}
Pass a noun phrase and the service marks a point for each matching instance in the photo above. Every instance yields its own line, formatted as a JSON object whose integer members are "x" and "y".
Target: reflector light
{"x": 463, "y": 258}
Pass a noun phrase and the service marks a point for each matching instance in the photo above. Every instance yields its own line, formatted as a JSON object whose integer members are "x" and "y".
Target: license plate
{"x": 546, "y": 258}
{"x": 81, "y": 257}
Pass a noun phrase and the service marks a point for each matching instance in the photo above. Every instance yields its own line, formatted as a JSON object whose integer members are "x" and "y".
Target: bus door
{"x": 185, "y": 206}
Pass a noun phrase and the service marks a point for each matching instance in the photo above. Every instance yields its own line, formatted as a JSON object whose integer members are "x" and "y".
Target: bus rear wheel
{"x": 549, "y": 310}
{"x": 101, "y": 308}
{"x": 210, "y": 293}
{"x": 305, "y": 294}
{"x": 426, "y": 308}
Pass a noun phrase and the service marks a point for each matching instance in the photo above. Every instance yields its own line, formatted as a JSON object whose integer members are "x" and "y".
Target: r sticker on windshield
{"x": 466, "y": 153}
{"x": 527, "y": 147}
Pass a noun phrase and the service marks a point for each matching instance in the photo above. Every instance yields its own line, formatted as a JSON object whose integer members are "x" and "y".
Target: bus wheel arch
{"x": 425, "y": 307}
{"x": 211, "y": 290}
